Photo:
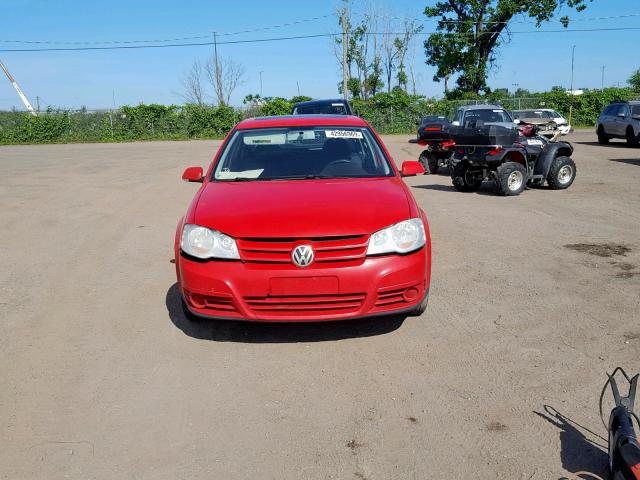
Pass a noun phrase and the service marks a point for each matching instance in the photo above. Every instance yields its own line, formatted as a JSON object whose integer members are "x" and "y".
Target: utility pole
{"x": 298, "y": 84}
{"x": 21, "y": 94}
{"x": 344, "y": 23}
{"x": 217, "y": 72}
{"x": 261, "y": 71}
{"x": 573, "y": 54}
{"x": 603, "y": 67}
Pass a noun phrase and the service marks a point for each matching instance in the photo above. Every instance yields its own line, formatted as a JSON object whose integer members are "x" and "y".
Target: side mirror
{"x": 621, "y": 115}
{"x": 455, "y": 123}
{"x": 411, "y": 168}
{"x": 192, "y": 174}
{"x": 517, "y": 121}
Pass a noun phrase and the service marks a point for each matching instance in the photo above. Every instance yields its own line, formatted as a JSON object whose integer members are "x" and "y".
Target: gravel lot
{"x": 104, "y": 378}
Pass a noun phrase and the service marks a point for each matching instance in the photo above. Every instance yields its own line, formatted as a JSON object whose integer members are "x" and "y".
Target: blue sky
{"x": 93, "y": 78}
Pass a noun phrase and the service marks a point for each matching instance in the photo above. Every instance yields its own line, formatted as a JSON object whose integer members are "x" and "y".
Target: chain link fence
{"x": 403, "y": 120}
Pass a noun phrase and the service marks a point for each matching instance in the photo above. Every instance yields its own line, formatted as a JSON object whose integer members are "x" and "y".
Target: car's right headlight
{"x": 402, "y": 237}
{"x": 202, "y": 242}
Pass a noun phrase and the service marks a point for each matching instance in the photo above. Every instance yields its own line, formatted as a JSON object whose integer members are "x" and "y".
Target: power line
{"x": 296, "y": 37}
{"x": 282, "y": 25}
{"x": 163, "y": 40}
{"x": 165, "y": 45}
{"x": 581, "y": 19}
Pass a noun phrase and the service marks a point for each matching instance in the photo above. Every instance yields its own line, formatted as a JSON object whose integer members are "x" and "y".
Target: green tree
{"x": 374, "y": 82}
{"x": 470, "y": 32}
{"x": 300, "y": 98}
{"x": 353, "y": 85}
{"x": 634, "y": 80}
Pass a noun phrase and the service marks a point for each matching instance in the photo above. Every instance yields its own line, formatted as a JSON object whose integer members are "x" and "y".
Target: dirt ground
{"x": 533, "y": 299}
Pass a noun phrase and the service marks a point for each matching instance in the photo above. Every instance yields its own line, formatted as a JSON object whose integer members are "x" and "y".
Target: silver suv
{"x": 620, "y": 120}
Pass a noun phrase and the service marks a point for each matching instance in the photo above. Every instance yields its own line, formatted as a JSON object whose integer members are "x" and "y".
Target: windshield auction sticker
{"x": 343, "y": 134}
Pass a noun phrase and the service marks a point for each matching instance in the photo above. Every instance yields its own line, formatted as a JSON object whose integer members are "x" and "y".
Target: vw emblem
{"x": 302, "y": 255}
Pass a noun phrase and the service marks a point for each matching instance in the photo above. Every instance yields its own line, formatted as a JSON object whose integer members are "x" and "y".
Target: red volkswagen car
{"x": 300, "y": 219}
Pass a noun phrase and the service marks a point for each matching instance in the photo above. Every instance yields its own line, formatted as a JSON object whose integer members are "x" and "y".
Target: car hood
{"x": 302, "y": 208}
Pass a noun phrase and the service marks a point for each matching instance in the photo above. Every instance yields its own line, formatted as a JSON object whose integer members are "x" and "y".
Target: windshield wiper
{"x": 241, "y": 179}
{"x": 311, "y": 176}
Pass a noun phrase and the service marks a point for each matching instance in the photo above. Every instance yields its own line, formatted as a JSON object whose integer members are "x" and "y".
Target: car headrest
{"x": 337, "y": 148}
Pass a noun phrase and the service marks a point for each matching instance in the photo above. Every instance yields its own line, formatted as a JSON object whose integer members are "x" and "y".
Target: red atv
{"x": 438, "y": 149}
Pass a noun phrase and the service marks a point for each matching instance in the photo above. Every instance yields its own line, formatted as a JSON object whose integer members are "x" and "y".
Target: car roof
{"x": 320, "y": 102}
{"x": 302, "y": 121}
{"x": 534, "y": 110}
{"x": 481, "y": 107}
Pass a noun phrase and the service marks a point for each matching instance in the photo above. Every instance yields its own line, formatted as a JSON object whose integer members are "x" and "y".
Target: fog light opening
{"x": 410, "y": 294}
{"x": 197, "y": 301}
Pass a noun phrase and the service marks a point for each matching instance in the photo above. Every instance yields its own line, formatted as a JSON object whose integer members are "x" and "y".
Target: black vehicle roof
{"x": 320, "y": 102}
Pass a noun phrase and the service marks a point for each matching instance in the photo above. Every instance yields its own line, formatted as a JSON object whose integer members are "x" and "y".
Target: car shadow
{"x": 442, "y": 172}
{"x": 486, "y": 189}
{"x": 629, "y": 161}
{"x": 254, "y": 332}
{"x": 620, "y": 144}
{"x": 578, "y": 453}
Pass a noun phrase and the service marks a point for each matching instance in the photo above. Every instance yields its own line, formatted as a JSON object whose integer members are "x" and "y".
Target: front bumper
{"x": 262, "y": 292}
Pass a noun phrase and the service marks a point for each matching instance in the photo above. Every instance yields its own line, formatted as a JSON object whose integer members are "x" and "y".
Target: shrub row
{"x": 395, "y": 112}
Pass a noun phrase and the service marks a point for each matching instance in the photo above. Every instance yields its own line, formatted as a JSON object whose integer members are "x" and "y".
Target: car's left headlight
{"x": 402, "y": 237}
{"x": 202, "y": 242}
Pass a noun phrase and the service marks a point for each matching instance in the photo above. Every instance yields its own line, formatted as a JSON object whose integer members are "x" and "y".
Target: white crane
{"x": 21, "y": 94}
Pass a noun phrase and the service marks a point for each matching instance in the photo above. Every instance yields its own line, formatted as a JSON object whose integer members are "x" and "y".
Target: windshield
{"x": 298, "y": 153}
{"x": 495, "y": 115}
{"x": 336, "y": 108}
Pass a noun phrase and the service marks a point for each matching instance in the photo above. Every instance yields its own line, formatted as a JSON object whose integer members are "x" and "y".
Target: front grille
{"x": 291, "y": 305}
{"x": 350, "y": 248}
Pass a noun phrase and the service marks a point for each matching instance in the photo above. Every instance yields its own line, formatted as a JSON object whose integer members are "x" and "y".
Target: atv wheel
{"x": 562, "y": 173}
{"x": 511, "y": 178}
{"x": 632, "y": 140}
{"x": 465, "y": 180}
{"x": 602, "y": 137}
{"x": 429, "y": 161}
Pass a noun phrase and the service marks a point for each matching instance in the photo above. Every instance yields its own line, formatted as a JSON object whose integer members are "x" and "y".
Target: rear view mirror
{"x": 411, "y": 168}
{"x": 192, "y": 174}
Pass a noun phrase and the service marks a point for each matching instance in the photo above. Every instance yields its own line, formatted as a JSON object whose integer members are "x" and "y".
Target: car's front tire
{"x": 632, "y": 139}
{"x": 603, "y": 139}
